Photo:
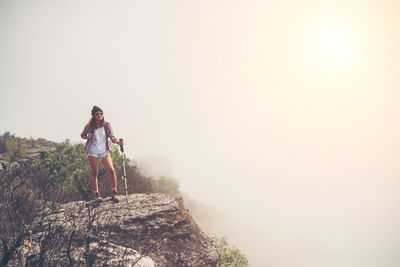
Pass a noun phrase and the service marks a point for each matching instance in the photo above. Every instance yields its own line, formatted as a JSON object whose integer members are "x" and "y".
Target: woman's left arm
{"x": 112, "y": 136}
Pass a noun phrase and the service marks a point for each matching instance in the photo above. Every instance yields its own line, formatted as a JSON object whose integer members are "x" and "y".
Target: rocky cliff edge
{"x": 140, "y": 230}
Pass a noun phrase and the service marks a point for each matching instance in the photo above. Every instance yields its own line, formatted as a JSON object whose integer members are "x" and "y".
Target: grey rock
{"x": 14, "y": 166}
{"x": 39, "y": 152}
{"x": 4, "y": 165}
{"x": 141, "y": 230}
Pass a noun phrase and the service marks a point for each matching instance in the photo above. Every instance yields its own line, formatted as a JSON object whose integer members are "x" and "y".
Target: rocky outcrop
{"x": 40, "y": 151}
{"x": 31, "y": 153}
{"x": 36, "y": 151}
{"x": 140, "y": 230}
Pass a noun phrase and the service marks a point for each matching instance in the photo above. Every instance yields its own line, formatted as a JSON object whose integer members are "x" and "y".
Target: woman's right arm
{"x": 86, "y": 133}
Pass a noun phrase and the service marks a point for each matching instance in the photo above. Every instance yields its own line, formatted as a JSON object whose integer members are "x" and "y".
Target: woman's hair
{"x": 92, "y": 123}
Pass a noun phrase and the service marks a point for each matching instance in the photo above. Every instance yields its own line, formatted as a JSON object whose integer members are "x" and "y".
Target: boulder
{"x": 141, "y": 230}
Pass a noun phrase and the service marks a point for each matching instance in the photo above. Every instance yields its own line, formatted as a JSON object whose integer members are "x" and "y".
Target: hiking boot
{"x": 115, "y": 197}
{"x": 97, "y": 197}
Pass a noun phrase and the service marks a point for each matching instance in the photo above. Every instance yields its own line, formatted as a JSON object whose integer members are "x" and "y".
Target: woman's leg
{"x": 93, "y": 161}
{"x": 107, "y": 162}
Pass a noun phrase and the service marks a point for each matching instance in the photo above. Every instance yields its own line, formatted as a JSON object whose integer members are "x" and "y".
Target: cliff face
{"x": 140, "y": 230}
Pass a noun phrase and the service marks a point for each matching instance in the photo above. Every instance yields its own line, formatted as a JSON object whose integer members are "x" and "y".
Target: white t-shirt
{"x": 99, "y": 141}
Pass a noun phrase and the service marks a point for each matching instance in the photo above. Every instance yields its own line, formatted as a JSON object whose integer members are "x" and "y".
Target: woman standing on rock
{"x": 97, "y": 132}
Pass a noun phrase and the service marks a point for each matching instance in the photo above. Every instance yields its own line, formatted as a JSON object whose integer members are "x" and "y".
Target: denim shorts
{"x": 100, "y": 156}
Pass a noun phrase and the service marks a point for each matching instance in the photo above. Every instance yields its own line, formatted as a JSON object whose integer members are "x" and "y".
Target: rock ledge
{"x": 140, "y": 230}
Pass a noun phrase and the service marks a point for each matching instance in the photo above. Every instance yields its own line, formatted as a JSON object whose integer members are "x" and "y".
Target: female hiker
{"x": 97, "y": 132}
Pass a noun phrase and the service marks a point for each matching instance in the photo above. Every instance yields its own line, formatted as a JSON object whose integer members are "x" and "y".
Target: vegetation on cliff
{"x": 62, "y": 171}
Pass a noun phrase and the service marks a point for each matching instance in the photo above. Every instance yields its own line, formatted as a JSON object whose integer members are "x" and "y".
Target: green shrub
{"x": 3, "y": 138}
{"x": 230, "y": 256}
{"x": 166, "y": 185}
{"x": 64, "y": 175}
{"x": 12, "y": 146}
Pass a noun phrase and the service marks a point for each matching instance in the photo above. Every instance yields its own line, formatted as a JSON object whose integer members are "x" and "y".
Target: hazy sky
{"x": 284, "y": 114}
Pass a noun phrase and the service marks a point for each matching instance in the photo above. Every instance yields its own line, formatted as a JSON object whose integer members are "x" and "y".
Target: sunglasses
{"x": 99, "y": 114}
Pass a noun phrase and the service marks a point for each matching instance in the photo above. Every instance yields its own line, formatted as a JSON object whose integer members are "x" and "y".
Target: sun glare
{"x": 335, "y": 48}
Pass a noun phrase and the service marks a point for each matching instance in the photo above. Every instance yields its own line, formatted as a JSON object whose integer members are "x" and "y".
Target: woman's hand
{"x": 119, "y": 142}
{"x": 87, "y": 137}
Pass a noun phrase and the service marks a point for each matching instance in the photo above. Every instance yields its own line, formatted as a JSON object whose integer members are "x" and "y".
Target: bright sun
{"x": 335, "y": 48}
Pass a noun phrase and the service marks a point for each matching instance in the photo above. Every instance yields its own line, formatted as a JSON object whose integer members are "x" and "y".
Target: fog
{"x": 283, "y": 115}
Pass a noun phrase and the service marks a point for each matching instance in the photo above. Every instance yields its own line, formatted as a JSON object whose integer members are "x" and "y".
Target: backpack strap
{"x": 106, "y": 127}
{"x": 91, "y": 130}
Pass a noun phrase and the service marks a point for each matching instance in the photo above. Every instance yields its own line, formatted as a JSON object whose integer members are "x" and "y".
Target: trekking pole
{"x": 123, "y": 163}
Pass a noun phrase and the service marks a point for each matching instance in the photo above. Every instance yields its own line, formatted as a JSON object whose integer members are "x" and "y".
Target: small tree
{"x": 230, "y": 256}
{"x": 166, "y": 185}
{"x": 12, "y": 146}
